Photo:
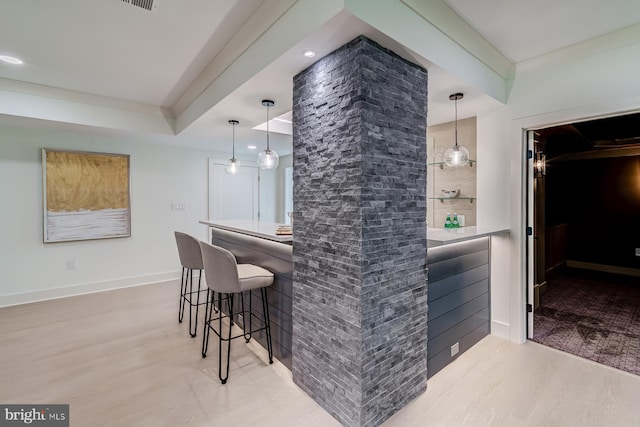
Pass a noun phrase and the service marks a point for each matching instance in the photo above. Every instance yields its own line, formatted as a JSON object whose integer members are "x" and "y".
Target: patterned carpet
{"x": 592, "y": 315}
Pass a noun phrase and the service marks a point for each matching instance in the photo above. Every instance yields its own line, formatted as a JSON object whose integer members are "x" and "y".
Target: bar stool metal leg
{"x": 207, "y": 321}
{"x": 267, "y": 323}
{"x": 221, "y": 340}
{"x": 183, "y": 290}
{"x": 246, "y": 332}
{"x": 195, "y": 323}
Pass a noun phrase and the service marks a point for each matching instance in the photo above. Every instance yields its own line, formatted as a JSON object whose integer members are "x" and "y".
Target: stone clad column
{"x": 359, "y": 245}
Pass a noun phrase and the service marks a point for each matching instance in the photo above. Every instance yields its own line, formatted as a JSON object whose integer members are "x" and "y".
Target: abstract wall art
{"x": 86, "y": 195}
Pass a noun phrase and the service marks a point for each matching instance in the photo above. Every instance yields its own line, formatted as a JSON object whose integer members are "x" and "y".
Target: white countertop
{"x": 435, "y": 236}
{"x": 442, "y": 236}
{"x": 265, "y": 230}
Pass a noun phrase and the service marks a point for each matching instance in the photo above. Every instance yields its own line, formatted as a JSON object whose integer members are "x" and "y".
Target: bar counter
{"x": 263, "y": 230}
{"x": 435, "y": 236}
{"x": 444, "y": 236}
{"x": 459, "y": 269}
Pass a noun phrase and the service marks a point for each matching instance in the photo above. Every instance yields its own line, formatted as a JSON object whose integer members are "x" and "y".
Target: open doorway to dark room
{"x": 587, "y": 261}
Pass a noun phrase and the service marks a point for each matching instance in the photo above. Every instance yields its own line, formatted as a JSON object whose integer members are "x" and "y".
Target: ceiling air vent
{"x": 150, "y": 5}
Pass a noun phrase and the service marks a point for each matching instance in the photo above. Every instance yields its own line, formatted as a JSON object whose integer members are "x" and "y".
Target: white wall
{"x": 268, "y": 198}
{"x": 160, "y": 175}
{"x": 492, "y": 169}
{"x": 493, "y": 207}
{"x": 580, "y": 77}
{"x": 593, "y": 79}
{"x": 285, "y": 161}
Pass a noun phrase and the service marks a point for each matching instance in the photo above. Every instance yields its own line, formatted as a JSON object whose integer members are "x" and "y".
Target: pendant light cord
{"x": 268, "y": 106}
{"x": 233, "y": 149}
{"x": 455, "y": 97}
{"x": 456, "y": 104}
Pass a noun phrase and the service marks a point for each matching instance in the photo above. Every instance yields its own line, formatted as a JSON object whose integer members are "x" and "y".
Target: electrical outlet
{"x": 637, "y": 251}
{"x": 455, "y": 349}
{"x": 72, "y": 264}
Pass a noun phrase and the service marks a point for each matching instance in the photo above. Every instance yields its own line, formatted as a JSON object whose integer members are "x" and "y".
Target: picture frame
{"x": 86, "y": 195}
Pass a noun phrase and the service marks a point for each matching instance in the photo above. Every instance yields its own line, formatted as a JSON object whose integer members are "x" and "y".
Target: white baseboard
{"x": 604, "y": 268}
{"x": 86, "y": 288}
{"x": 500, "y": 329}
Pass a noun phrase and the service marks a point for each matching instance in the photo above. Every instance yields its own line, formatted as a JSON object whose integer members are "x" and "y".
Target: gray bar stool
{"x": 227, "y": 278}
{"x": 191, "y": 259}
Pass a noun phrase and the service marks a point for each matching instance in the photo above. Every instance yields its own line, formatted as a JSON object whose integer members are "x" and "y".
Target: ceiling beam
{"x": 302, "y": 18}
{"x": 407, "y": 26}
{"x": 450, "y": 23}
{"x": 61, "y": 105}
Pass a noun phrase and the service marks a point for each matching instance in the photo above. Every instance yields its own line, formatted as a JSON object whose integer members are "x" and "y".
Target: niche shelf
{"x": 443, "y": 164}
{"x": 442, "y": 199}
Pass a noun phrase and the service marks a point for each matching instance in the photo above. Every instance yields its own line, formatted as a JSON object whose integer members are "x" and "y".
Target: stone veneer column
{"x": 359, "y": 245}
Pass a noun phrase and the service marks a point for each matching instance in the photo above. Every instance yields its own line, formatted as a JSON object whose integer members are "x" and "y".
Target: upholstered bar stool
{"x": 191, "y": 260}
{"x": 229, "y": 279}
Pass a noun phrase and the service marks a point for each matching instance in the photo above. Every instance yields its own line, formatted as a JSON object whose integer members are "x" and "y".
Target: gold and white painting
{"x": 86, "y": 195}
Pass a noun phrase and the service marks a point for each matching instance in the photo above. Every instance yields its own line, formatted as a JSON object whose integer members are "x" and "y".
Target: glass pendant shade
{"x": 232, "y": 167}
{"x": 268, "y": 159}
{"x": 456, "y": 155}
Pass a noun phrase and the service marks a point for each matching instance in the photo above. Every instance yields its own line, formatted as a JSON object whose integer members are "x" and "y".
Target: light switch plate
{"x": 637, "y": 251}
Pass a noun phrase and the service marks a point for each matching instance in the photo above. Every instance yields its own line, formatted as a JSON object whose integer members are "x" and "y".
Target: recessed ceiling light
{"x": 309, "y": 53}
{"x": 11, "y": 59}
{"x": 251, "y": 147}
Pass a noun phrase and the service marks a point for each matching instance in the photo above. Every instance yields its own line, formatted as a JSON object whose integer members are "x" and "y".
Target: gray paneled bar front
{"x": 458, "y": 300}
{"x": 277, "y": 258}
{"x": 458, "y": 296}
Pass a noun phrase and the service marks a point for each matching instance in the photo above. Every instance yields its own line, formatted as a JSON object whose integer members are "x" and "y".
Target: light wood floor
{"x": 120, "y": 358}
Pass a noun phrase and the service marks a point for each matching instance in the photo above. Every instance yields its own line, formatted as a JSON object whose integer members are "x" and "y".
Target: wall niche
{"x": 443, "y": 177}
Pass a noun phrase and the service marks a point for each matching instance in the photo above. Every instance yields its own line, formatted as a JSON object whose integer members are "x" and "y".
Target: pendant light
{"x": 456, "y": 155}
{"x": 268, "y": 159}
{"x": 232, "y": 167}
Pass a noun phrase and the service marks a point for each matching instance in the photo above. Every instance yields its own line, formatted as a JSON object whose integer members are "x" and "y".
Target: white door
{"x": 233, "y": 196}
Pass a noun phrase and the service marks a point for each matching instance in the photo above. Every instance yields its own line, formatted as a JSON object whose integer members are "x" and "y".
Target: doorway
{"x": 233, "y": 196}
{"x": 584, "y": 249}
